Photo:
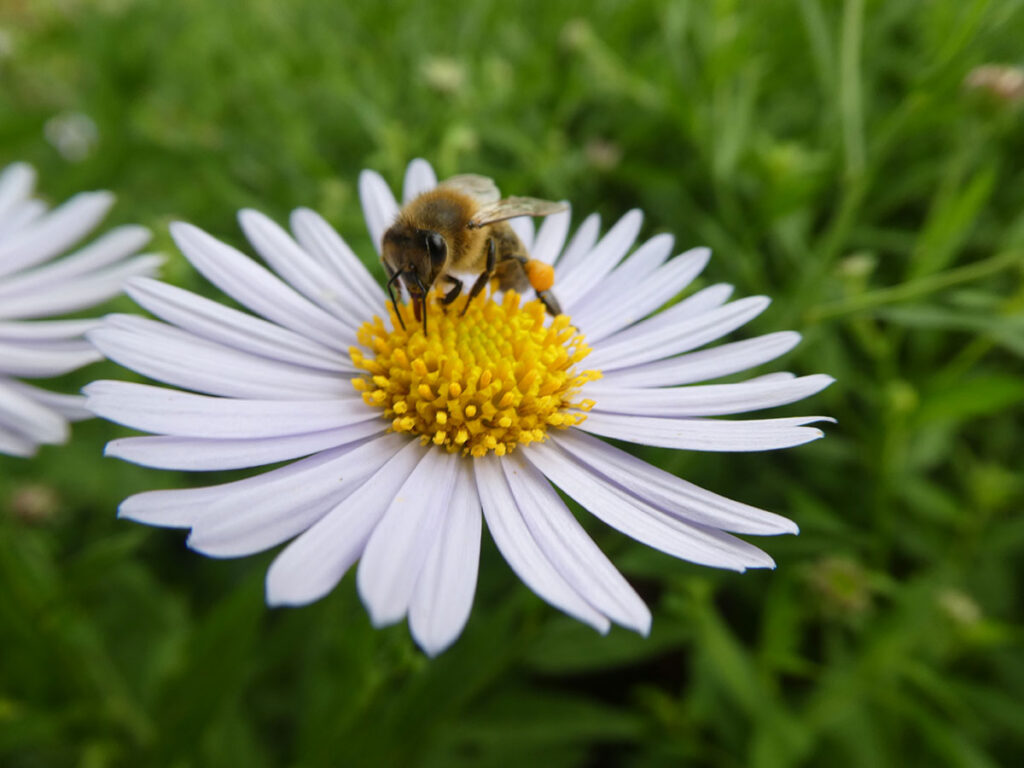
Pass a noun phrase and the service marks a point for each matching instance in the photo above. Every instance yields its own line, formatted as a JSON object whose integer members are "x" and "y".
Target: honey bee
{"x": 461, "y": 226}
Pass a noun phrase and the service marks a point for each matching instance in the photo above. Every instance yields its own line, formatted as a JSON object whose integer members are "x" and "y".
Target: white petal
{"x": 84, "y": 292}
{"x": 650, "y": 294}
{"x": 551, "y": 237}
{"x": 71, "y": 407}
{"x": 12, "y": 444}
{"x": 623, "y": 281}
{"x": 113, "y": 246}
{"x": 314, "y": 563}
{"x": 664, "y": 340}
{"x": 319, "y": 238}
{"x": 705, "y": 434}
{"x": 43, "y": 360}
{"x": 569, "y": 548}
{"x": 666, "y": 491}
{"x": 177, "y": 357}
{"x": 54, "y": 233}
{"x": 24, "y": 417}
{"x": 700, "y": 303}
{"x": 45, "y": 330}
{"x": 239, "y": 330}
{"x": 443, "y": 597}
{"x": 398, "y": 547}
{"x": 706, "y": 400}
{"x": 520, "y": 549}
{"x": 705, "y": 364}
{"x": 379, "y": 206}
{"x": 579, "y": 247}
{"x": 419, "y": 178}
{"x": 16, "y": 184}
{"x": 523, "y": 227}
{"x": 616, "y": 507}
{"x": 270, "y": 513}
{"x": 300, "y": 270}
{"x": 20, "y": 217}
{"x": 204, "y": 455}
{"x": 170, "y": 412}
{"x": 257, "y": 288}
{"x": 601, "y": 259}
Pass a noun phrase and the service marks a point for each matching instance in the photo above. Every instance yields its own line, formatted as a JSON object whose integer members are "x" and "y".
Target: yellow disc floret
{"x": 489, "y": 380}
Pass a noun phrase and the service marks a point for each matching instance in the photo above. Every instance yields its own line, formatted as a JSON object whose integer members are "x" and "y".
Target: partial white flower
{"x": 411, "y": 441}
{"x": 38, "y": 281}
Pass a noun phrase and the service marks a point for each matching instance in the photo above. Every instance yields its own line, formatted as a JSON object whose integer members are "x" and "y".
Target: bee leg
{"x": 392, "y": 277}
{"x": 550, "y": 302}
{"x": 456, "y": 289}
{"x": 485, "y": 275}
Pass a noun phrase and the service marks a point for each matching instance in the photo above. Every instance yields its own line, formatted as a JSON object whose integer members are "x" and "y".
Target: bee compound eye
{"x": 437, "y": 248}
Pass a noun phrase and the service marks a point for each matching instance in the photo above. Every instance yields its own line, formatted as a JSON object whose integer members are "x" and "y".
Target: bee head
{"x": 416, "y": 257}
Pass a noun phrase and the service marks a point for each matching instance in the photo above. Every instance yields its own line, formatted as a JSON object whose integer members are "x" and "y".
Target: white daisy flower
{"x": 38, "y": 281}
{"x": 411, "y": 440}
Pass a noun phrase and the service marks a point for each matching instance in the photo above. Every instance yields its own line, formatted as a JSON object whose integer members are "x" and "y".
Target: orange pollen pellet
{"x": 541, "y": 275}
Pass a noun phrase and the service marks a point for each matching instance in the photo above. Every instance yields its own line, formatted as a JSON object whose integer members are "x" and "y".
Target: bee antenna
{"x": 391, "y": 295}
{"x": 423, "y": 294}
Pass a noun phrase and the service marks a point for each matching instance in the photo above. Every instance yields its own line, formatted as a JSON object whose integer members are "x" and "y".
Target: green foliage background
{"x": 830, "y": 155}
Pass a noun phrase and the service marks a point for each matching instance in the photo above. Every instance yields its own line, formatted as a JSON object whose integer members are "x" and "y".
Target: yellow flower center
{"x": 489, "y": 380}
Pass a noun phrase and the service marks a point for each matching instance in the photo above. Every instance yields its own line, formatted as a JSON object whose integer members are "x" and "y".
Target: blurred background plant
{"x": 862, "y": 162}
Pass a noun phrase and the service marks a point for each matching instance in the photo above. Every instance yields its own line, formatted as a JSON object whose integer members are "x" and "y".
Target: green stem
{"x": 917, "y": 288}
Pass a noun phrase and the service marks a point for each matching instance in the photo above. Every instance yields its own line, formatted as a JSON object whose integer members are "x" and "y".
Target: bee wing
{"x": 512, "y": 207}
{"x": 480, "y": 188}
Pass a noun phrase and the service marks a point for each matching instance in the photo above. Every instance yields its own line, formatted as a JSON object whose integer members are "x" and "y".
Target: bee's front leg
{"x": 455, "y": 290}
{"x": 485, "y": 276}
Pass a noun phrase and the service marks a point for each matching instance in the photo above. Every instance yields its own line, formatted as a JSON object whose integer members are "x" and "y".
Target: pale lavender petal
{"x": 705, "y": 364}
{"x": 315, "y": 562}
{"x": 616, "y": 507}
{"x": 192, "y": 454}
{"x": 705, "y": 434}
{"x": 256, "y": 287}
{"x": 239, "y": 330}
{"x": 551, "y": 237}
{"x": 16, "y": 184}
{"x": 398, "y": 547}
{"x": 666, "y": 491}
{"x": 170, "y": 412}
{"x": 300, "y": 270}
{"x": 579, "y": 247}
{"x": 37, "y": 331}
{"x": 71, "y": 407}
{"x": 272, "y": 512}
{"x": 520, "y": 549}
{"x": 706, "y": 400}
{"x": 379, "y": 206}
{"x": 665, "y": 340}
{"x": 623, "y": 280}
{"x": 776, "y": 377}
{"x": 27, "y": 418}
{"x": 45, "y": 300}
{"x": 12, "y": 444}
{"x": 319, "y": 238}
{"x": 41, "y": 361}
{"x": 575, "y": 285}
{"x": 443, "y": 597}
{"x": 697, "y": 305}
{"x": 568, "y": 547}
{"x": 113, "y": 246}
{"x": 54, "y": 233}
{"x": 419, "y": 178}
{"x": 179, "y": 358}
{"x": 21, "y": 216}
{"x": 648, "y": 295}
